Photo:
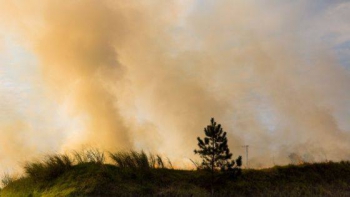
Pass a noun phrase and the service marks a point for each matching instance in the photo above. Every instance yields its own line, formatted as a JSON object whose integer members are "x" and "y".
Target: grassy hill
{"x": 139, "y": 175}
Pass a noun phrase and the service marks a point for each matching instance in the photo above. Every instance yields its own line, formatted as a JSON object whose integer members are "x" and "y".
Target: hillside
{"x": 98, "y": 179}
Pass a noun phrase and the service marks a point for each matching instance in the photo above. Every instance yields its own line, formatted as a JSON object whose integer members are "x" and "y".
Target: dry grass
{"x": 89, "y": 156}
{"x": 49, "y": 168}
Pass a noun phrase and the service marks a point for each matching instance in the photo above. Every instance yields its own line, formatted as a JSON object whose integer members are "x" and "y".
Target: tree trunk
{"x": 212, "y": 167}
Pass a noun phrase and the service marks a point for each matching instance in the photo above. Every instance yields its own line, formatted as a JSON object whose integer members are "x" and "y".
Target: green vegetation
{"x": 140, "y": 174}
{"x": 50, "y": 168}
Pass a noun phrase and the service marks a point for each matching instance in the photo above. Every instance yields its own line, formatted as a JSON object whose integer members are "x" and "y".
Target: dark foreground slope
{"x": 91, "y": 179}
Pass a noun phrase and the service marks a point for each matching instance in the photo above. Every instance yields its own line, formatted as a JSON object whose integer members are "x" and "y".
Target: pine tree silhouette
{"x": 214, "y": 151}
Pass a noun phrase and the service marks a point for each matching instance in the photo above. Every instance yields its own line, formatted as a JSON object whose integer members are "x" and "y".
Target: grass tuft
{"x": 138, "y": 160}
{"x": 131, "y": 159}
{"x": 7, "y": 179}
{"x": 93, "y": 155}
{"x": 49, "y": 168}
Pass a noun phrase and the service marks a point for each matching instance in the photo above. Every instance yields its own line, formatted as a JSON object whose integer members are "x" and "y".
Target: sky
{"x": 150, "y": 74}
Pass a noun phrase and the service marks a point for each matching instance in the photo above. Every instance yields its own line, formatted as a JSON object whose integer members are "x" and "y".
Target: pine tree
{"x": 215, "y": 152}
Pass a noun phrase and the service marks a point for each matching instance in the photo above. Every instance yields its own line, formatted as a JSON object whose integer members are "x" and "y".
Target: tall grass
{"x": 7, "y": 179}
{"x": 89, "y": 156}
{"x": 196, "y": 164}
{"x": 52, "y": 166}
{"x": 170, "y": 164}
{"x": 138, "y": 160}
{"x": 49, "y": 168}
{"x": 131, "y": 159}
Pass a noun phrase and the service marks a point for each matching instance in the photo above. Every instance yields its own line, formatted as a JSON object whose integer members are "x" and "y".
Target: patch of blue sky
{"x": 320, "y": 6}
{"x": 325, "y": 24}
{"x": 343, "y": 54}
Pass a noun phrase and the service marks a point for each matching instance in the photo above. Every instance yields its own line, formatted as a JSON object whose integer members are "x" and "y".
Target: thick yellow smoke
{"x": 151, "y": 75}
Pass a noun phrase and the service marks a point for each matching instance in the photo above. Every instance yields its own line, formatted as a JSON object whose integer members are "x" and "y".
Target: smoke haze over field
{"x": 150, "y": 75}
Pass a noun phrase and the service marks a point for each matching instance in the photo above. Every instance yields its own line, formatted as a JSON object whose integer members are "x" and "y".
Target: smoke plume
{"x": 150, "y": 75}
